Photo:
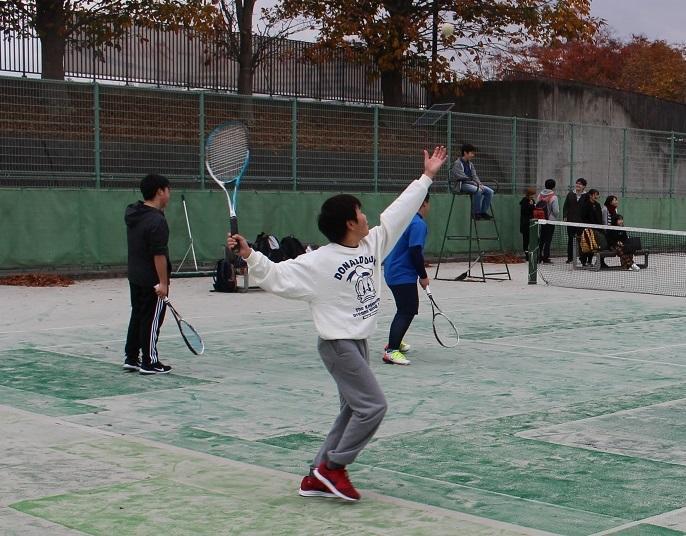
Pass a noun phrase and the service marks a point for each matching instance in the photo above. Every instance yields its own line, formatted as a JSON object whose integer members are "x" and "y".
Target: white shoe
{"x": 395, "y": 357}
{"x": 635, "y": 268}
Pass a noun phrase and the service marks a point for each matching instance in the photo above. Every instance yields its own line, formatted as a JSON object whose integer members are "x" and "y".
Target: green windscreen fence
{"x": 85, "y": 228}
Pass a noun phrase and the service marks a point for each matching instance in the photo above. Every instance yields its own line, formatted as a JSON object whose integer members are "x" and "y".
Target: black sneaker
{"x": 132, "y": 364}
{"x": 484, "y": 216}
{"x": 154, "y": 368}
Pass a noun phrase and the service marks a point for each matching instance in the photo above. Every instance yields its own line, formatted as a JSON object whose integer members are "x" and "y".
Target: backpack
{"x": 269, "y": 246}
{"x": 541, "y": 210}
{"x": 224, "y": 279}
{"x": 291, "y": 247}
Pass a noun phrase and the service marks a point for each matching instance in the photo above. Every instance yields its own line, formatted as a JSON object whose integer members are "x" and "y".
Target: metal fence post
{"x": 624, "y": 162}
{"x": 514, "y": 155}
{"x": 449, "y": 141}
{"x": 96, "y": 132}
{"x": 376, "y": 149}
{"x": 294, "y": 143}
{"x": 671, "y": 165}
{"x": 201, "y": 139}
{"x": 571, "y": 156}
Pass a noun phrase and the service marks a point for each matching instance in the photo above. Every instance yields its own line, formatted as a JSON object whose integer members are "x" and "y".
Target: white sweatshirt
{"x": 342, "y": 283}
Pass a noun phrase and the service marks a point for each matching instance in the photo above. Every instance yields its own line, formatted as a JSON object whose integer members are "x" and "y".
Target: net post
{"x": 534, "y": 228}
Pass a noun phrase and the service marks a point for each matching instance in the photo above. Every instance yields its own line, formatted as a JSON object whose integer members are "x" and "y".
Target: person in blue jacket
{"x": 403, "y": 266}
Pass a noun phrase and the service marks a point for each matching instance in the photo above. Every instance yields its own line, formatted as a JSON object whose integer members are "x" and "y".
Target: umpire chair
{"x": 474, "y": 238}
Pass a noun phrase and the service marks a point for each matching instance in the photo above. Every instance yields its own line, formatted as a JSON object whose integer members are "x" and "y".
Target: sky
{"x": 656, "y": 19}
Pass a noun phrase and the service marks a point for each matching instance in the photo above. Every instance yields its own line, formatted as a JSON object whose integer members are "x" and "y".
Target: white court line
{"x": 174, "y": 336}
{"x": 654, "y": 520}
{"x": 585, "y": 354}
{"x": 285, "y": 311}
{"x": 229, "y": 463}
{"x": 653, "y": 349}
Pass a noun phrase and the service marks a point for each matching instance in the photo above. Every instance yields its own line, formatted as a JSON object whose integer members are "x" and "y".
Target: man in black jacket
{"x": 147, "y": 235}
{"x": 571, "y": 211}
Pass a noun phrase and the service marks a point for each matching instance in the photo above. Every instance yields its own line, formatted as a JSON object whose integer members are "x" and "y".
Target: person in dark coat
{"x": 526, "y": 213}
{"x": 571, "y": 211}
{"x": 591, "y": 212}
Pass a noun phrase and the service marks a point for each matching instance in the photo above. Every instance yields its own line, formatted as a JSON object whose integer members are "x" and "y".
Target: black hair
{"x": 550, "y": 184}
{"x": 582, "y": 181}
{"x": 151, "y": 183}
{"x": 335, "y": 213}
{"x": 467, "y": 148}
{"x": 609, "y": 199}
{"x": 592, "y": 191}
{"x": 616, "y": 217}
{"x": 426, "y": 199}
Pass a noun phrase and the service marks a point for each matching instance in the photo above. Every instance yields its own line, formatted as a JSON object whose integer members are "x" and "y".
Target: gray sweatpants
{"x": 363, "y": 404}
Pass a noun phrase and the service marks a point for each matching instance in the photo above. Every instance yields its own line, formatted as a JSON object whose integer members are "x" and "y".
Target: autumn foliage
{"x": 397, "y": 36}
{"x": 654, "y": 68}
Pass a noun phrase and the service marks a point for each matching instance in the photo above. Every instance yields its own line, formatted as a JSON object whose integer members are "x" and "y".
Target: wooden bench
{"x": 609, "y": 253}
{"x": 603, "y": 254}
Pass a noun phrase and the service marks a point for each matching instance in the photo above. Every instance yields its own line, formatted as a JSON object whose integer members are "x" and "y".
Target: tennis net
{"x": 603, "y": 257}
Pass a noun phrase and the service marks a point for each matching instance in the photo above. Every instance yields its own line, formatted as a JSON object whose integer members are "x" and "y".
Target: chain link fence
{"x": 61, "y": 134}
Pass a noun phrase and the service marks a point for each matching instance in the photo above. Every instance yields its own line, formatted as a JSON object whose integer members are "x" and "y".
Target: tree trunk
{"x": 245, "y": 48}
{"x": 51, "y": 30}
{"x": 392, "y": 88}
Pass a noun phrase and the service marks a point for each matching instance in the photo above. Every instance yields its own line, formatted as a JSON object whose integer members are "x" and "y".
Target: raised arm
{"x": 397, "y": 216}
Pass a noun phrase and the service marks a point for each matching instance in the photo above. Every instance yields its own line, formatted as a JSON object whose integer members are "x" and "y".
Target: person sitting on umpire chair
{"x": 463, "y": 178}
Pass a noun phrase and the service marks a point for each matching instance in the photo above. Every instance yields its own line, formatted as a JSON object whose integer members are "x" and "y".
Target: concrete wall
{"x": 592, "y": 133}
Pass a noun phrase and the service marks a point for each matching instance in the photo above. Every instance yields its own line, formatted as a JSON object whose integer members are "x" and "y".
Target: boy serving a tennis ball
{"x": 341, "y": 283}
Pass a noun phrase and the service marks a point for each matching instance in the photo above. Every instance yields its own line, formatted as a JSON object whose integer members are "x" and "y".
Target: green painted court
{"x": 561, "y": 412}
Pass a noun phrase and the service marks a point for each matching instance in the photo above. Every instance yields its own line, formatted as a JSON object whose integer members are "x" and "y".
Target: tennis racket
{"x": 444, "y": 330}
{"x": 227, "y": 154}
{"x": 190, "y": 336}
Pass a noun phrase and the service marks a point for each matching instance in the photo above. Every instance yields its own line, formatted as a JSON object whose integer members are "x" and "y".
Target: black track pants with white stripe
{"x": 147, "y": 316}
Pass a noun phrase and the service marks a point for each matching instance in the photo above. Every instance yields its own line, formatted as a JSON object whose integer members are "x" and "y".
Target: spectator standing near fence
{"x": 571, "y": 212}
{"x": 549, "y": 197}
{"x": 593, "y": 214}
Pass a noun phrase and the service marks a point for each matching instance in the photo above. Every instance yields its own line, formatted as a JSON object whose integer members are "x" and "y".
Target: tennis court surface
{"x": 562, "y": 411}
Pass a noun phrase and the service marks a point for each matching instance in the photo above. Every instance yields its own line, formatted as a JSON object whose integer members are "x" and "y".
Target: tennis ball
{"x": 447, "y": 29}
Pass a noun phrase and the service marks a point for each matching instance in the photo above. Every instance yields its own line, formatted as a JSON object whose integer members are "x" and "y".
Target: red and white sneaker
{"x": 337, "y": 481}
{"x": 311, "y": 487}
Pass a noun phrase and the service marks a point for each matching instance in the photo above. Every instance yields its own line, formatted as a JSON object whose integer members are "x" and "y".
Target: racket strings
{"x": 445, "y": 331}
{"x": 192, "y": 337}
{"x": 227, "y": 151}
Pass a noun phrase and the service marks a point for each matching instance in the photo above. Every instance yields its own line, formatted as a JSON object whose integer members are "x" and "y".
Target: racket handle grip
{"x": 233, "y": 226}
